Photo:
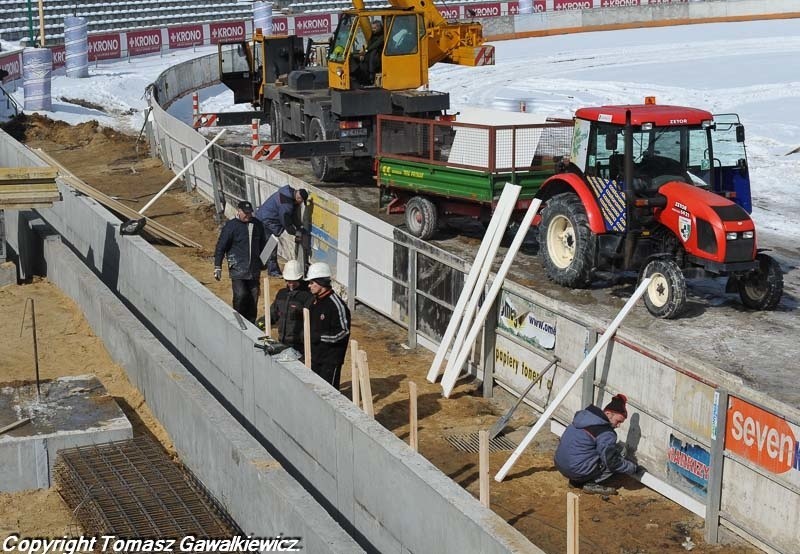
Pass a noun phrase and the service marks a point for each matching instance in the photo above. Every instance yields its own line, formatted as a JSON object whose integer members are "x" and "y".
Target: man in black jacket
{"x": 287, "y": 309}
{"x": 241, "y": 241}
{"x": 330, "y": 325}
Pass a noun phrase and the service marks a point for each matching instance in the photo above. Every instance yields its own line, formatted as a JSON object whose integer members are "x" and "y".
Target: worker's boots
{"x": 594, "y": 488}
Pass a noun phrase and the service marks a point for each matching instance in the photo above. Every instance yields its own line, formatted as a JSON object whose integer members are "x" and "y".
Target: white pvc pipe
{"x": 509, "y": 194}
{"x": 449, "y": 379}
{"x": 182, "y": 171}
{"x": 562, "y": 394}
{"x": 477, "y": 292}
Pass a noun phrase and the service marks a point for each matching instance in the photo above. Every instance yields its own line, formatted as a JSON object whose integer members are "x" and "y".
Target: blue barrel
{"x": 37, "y": 68}
{"x": 525, "y": 6}
{"x": 77, "y": 47}
{"x": 262, "y": 17}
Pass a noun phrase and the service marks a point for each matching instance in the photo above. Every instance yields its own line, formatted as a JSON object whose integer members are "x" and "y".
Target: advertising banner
{"x": 450, "y": 12}
{"x": 143, "y": 42}
{"x": 185, "y": 36}
{"x": 539, "y": 6}
{"x": 229, "y": 31}
{"x": 530, "y": 323}
{"x": 618, "y": 3}
{"x": 560, "y": 5}
{"x": 280, "y": 26}
{"x": 104, "y": 47}
{"x": 482, "y": 10}
{"x": 11, "y": 64}
{"x": 59, "y": 56}
{"x": 309, "y": 25}
{"x": 691, "y": 462}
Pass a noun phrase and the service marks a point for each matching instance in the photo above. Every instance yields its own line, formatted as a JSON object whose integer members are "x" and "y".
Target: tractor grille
{"x": 739, "y": 250}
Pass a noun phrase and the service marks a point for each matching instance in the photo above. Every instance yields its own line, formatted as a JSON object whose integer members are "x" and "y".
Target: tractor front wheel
{"x": 421, "y": 217}
{"x": 566, "y": 243}
{"x": 326, "y": 168}
{"x": 761, "y": 289}
{"x": 665, "y": 296}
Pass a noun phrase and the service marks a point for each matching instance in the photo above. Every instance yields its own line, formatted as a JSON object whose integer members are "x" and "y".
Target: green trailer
{"x": 434, "y": 169}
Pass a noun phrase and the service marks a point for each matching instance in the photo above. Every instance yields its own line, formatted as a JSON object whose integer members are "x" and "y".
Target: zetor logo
{"x": 762, "y": 438}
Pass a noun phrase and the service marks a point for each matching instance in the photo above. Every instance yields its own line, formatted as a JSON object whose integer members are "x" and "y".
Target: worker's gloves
{"x": 640, "y": 471}
{"x": 217, "y": 273}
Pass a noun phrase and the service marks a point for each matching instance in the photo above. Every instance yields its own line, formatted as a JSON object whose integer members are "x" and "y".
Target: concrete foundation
{"x": 69, "y": 412}
{"x": 8, "y": 274}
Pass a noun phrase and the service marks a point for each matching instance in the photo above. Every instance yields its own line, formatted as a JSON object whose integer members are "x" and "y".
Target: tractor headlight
{"x": 730, "y": 236}
{"x": 748, "y": 234}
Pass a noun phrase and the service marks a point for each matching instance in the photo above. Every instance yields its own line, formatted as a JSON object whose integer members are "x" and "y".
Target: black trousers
{"x": 245, "y": 297}
{"x": 330, "y": 372}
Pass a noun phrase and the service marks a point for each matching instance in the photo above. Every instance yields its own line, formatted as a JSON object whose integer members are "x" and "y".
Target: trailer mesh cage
{"x": 493, "y": 148}
{"x": 132, "y": 489}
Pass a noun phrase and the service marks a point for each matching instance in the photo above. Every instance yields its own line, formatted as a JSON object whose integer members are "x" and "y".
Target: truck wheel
{"x": 761, "y": 289}
{"x": 421, "y": 217}
{"x": 665, "y": 296}
{"x": 275, "y": 124}
{"x": 566, "y": 244}
{"x": 324, "y": 167}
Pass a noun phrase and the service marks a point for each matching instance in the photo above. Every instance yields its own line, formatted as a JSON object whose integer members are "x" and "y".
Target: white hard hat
{"x": 293, "y": 271}
{"x": 319, "y": 270}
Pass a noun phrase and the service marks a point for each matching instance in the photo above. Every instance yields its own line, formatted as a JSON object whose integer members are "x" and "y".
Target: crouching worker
{"x": 589, "y": 453}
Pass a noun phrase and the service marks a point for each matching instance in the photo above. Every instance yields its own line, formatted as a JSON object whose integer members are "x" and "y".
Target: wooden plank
{"x": 153, "y": 228}
{"x": 267, "y": 315}
{"x": 573, "y": 527}
{"x": 36, "y": 173}
{"x": 14, "y": 425}
{"x": 366, "y": 386}
{"x": 413, "y": 436}
{"x": 307, "y": 337}
{"x": 17, "y": 188}
{"x": 483, "y": 466}
{"x": 354, "y": 377}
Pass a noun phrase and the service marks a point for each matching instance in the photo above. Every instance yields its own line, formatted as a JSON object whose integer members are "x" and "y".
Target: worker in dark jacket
{"x": 588, "y": 453}
{"x": 287, "y": 310}
{"x": 280, "y": 212}
{"x": 241, "y": 241}
{"x": 330, "y": 325}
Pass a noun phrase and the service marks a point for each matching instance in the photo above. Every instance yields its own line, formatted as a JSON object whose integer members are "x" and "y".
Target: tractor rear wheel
{"x": 566, "y": 243}
{"x": 761, "y": 289}
{"x": 665, "y": 296}
{"x": 421, "y": 217}
{"x": 275, "y": 124}
{"x": 325, "y": 167}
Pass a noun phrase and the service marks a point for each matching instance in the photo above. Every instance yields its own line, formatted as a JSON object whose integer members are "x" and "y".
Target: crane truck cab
{"x": 661, "y": 190}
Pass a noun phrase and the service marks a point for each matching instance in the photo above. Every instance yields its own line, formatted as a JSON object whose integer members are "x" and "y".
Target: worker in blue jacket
{"x": 280, "y": 212}
{"x": 241, "y": 241}
{"x": 588, "y": 453}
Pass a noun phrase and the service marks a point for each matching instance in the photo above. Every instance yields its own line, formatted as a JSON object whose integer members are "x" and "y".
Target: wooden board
{"x": 23, "y": 188}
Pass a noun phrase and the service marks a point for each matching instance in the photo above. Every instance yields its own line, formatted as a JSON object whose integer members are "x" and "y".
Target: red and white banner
{"x": 561, "y": 5}
{"x": 230, "y": 31}
{"x": 619, "y": 3}
{"x": 185, "y": 36}
{"x": 280, "y": 26}
{"x": 104, "y": 47}
{"x": 539, "y": 6}
{"x": 450, "y": 12}
{"x": 267, "y": 152}
{"x": 308, "y": 25}
{"x": 11, "y": 63}
{"x": 143, "y": 42}
{"x": 482, "y": 10}
{"x": 59, "y": 56}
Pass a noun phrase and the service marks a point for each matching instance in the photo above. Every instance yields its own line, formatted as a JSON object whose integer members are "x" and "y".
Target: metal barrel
{"x": 76, "y": 42}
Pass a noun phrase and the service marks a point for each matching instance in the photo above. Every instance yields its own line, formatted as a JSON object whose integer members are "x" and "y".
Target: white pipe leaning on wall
{"x": 449, "y": 379}
{"x": 509, "y": 195}
{"x": 562, "y": 394}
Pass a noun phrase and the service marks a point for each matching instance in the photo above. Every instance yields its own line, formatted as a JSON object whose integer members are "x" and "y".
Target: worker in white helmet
{"x": 330, "y": 325}
{"x": 287, "y": 310}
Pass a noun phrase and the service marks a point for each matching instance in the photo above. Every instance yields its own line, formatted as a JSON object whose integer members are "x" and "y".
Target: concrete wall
{"x": 254, "y": 488}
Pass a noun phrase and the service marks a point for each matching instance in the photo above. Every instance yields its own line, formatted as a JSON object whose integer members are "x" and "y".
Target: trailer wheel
{"x": 421, "y": 217}
{"x": 275, "y": 124}
{"x": 324, "y": 167}
{"x": 762, "y": 288}
{"x": 665, "y": 296}
{"x": 566, "y": 243}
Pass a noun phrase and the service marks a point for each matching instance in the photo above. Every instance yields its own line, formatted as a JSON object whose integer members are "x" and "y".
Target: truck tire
{"x": 421, "y": 217}
{"x": 761, "y": 289}
{"x": 275, "y": 124}
{"x": 325, "y": 168}
{"x": 566, "y": 243}
{"x": 665, "y": 296}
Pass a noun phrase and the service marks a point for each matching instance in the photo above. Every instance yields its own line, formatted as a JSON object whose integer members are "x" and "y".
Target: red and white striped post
{"x": 255, "y": 143}
{"x": 195, "y": 106}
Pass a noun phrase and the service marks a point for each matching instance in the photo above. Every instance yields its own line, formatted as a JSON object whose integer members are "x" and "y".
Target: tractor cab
{"x": 379, "y": 48}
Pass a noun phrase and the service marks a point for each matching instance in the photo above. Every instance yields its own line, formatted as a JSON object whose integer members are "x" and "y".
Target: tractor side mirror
{"x": 611, "y": 142}
{"x": 740, "y": 133}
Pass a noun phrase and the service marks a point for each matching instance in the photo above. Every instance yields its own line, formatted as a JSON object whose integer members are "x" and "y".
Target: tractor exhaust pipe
{"x": 630, "y": 228}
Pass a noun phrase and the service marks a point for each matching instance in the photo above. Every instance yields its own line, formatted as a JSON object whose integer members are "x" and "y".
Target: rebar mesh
{"x": 132, "y": 489}
{"x": 470, "y": 442}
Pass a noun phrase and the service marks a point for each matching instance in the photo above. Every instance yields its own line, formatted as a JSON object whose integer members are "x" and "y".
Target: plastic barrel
{"x": 525, "y": 6}
{"x": 262, "y": 17}
{"x": 37, "y": 68}
{"x": 77, "y": 47}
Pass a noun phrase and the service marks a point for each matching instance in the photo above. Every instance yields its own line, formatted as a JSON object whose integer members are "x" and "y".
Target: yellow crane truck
{"x": 329, "y": 113}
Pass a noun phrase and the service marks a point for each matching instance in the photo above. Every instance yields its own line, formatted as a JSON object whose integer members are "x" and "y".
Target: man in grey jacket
{"x": 588, "y": 453}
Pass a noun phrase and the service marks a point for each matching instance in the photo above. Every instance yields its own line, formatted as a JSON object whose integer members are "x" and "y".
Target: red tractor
{"x": 661, "y": 190}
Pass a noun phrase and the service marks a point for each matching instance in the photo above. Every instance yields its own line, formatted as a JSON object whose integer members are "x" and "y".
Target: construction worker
{"x": 287, "y": 310}
{"x": 330, "y": 325}
{"x": 280, "y": 212}
{"x": 241, "y": 241}
{"x": 589, "y": 454}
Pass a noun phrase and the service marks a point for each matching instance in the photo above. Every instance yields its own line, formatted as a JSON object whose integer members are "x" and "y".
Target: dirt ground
{"x": 533, "y": 496}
